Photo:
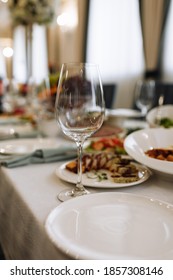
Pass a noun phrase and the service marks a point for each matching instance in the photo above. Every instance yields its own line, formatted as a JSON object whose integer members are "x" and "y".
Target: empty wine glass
{"x": 79, "y": 110}
{"x": 144, "y": 95}
{"x": 15, "y": 97}
{"x": 39, "y": 102}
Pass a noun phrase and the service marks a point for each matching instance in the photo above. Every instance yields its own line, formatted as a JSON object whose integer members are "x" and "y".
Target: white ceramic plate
{"x": 137, "y": 143}
{"x": 113, "y": 226}
{"x": 10, "y": 120}
{"x": 125, "y": 113}
{"x": 165, "y": 111}
{"x": 23, "y": 146}
{"x": 92, "y": 181}
{"x": 8, "y": 129}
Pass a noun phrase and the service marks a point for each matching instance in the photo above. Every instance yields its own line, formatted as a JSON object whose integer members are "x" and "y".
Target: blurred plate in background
{"x": 157, "y": 114}
{"x": 124, "y": 113}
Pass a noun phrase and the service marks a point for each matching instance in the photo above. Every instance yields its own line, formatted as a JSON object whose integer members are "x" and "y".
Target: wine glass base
{"x": 68, "y": 194}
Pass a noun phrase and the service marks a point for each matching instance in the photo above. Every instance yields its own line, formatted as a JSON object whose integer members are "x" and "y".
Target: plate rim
{"x": 112, "y": 185}
{"x": 120, "y": 112}
{"x": 24, "y": 141}
{"x": 166, "y": 205}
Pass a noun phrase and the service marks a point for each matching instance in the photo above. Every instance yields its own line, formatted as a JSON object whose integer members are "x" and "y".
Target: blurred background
{"x": 129, "y": 39}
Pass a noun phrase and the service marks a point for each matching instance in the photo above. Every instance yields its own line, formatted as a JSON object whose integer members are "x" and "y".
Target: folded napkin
{"x": 39, "y": 156}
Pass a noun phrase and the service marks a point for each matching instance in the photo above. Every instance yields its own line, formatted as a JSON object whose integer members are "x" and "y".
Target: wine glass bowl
{"x": 144, "y": 95}
{"x": 79, "y": 110}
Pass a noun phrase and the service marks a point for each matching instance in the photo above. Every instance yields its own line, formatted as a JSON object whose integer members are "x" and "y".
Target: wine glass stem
{"x": 79, "y": 167}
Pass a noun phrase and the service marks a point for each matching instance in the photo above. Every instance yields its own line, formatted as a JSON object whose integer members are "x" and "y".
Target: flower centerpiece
{"x": 31, "y": 11}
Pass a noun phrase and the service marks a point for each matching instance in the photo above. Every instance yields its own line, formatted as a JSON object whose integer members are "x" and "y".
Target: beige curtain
{"x": 69, "y": 45}
{"x": 152, "y": 17}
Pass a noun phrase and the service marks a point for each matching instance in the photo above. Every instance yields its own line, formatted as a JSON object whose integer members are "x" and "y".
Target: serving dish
{"x": 97, "y": 180}
{"x": 137, "y": 143}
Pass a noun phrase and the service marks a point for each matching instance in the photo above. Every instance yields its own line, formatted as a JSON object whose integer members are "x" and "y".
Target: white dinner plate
{"x": 10, "y": 120}
{"x": 123, "y": 112}
{"x": 112, "y": 226}
{"x": 8, "y": 129}
{"x": 90, "y": 180}
{"x": 23, "y": 146}
{"x": 138, "y": 142}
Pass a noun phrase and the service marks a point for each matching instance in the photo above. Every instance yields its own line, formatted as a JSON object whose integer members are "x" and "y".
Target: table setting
{"x": 75, "y": 195}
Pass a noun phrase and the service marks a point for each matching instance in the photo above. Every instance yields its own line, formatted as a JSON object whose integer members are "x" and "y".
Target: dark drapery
{"x": 153, "y": 17}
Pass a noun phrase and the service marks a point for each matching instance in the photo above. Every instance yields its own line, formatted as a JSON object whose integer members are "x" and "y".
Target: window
{"x": 114, "y": 41}
{"x": 39, "y": 58}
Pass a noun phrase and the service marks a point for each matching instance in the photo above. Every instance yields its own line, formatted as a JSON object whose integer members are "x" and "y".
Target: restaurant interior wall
{"x": 69, "y": 45}
{"x": 64, "y": 43}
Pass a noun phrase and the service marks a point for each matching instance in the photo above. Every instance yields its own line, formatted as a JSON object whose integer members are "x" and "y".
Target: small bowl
{"x": 158, "y": 113}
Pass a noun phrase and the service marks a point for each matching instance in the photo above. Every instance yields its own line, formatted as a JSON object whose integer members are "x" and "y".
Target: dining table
{"x": 28, "y": 194}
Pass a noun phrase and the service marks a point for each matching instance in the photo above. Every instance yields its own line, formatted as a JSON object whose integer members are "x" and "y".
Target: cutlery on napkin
{"x": 38, "y": 156}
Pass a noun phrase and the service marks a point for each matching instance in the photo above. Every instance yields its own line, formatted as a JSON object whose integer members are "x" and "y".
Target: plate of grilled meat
{"x": 104, "y": 170}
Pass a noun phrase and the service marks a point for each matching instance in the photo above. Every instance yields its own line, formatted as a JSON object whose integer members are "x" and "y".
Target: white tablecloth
{"x": 28, "y": 194}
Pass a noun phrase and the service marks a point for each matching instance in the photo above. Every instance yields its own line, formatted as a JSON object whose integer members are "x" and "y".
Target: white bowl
{"x": 165, "y": 111}
{"x": 137, "y": 143}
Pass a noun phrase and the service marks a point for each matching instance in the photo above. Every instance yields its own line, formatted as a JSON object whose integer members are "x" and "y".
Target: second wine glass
{"x": 144, "y": 95}
{"x": 79, "y": 109}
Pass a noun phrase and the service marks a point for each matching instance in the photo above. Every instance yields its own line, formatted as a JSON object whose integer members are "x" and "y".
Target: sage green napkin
{"x": 39, "y": 156}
